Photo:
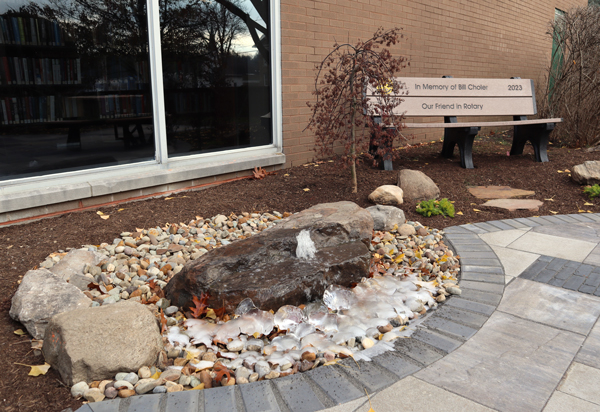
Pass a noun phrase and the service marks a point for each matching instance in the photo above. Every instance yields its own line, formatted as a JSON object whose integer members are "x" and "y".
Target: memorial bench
{"x": 451, "y": 97}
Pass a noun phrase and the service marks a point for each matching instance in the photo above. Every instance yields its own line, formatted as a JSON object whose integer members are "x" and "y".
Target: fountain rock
{"x": 266, "y": 268}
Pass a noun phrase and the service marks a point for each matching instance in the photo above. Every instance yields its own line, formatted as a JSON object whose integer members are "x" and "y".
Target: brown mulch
{"x": 22, "y": 247}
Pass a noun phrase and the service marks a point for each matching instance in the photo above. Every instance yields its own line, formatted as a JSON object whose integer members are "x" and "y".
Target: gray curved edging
{"x": 444, "y": 330}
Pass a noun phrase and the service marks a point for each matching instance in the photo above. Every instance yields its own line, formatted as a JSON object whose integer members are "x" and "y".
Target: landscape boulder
{"x": 42, "y": 295}
{"x": 387, "y": 195}
{"x": 96, "y": 343}
{"x": 587, "y": 173}
{"x": 417, "y": 186}
{"x": 386, "y": 217}
{"x": 267, "y": 269}
{"x": 74, "y": 262}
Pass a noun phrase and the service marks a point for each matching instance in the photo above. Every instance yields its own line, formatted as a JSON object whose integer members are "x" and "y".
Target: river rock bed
{"x": 412, "y": 271}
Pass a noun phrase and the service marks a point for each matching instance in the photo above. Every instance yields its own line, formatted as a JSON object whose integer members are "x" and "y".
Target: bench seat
{"x": 478, "y": 124}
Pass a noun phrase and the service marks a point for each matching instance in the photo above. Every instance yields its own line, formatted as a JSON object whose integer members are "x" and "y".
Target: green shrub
{"x": 434, "y": 207}
{"x": 592, "y": 191}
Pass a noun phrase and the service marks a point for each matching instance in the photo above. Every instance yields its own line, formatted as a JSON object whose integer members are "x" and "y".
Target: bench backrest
{"x": 465, "y": 97}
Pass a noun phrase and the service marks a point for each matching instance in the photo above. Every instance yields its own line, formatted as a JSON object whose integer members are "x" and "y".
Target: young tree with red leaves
{"x": 356, "y": 96}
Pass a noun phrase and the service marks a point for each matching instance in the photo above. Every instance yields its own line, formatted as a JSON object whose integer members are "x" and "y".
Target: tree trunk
{"x": 353, "y": 131}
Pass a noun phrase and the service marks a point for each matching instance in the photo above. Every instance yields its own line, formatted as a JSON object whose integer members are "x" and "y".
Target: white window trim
{"x": 24, "y": 193}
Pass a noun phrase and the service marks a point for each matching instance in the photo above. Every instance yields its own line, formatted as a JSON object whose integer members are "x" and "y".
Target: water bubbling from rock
{"x": 306, "y": 247}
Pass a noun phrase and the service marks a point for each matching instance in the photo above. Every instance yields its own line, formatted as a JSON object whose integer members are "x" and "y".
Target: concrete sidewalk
{"x": 523, "y": 336}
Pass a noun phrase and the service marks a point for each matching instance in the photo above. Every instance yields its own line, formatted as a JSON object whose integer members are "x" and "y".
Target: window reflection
{"x": 74, "y": 86}
{"x": 216, "y": 74}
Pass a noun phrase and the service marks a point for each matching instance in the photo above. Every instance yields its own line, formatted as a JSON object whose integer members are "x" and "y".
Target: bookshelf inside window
{"x": 65, "y": 105}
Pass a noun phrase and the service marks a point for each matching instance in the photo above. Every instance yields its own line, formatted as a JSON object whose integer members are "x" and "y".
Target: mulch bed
{"x": 22, "y": 247}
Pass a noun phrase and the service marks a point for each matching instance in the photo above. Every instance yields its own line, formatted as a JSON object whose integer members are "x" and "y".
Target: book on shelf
{"x": 39, "y": 71}
{"x": 30, "y": 31}
{"x": 42, "y": 109}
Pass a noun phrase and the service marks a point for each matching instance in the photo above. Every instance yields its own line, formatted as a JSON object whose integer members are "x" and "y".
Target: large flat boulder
{"x": 587, "y": 173}
{"x": 96, "y": 343}
{"x": 267, "y": 268}
{"x": 42, "y": 295}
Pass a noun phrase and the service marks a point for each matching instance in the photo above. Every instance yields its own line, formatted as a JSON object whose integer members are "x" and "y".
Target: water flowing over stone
{"x": 306, "y": 247}
{"x": 266, "y": 268}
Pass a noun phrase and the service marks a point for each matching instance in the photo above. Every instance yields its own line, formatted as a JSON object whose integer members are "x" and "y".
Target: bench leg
{"x": 463, "y": 136}
{"x": 537, "y": 134}
{"x": 383, "y": 162}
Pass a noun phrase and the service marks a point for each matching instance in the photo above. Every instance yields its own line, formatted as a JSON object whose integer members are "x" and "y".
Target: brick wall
{"x": 465, "y": 38}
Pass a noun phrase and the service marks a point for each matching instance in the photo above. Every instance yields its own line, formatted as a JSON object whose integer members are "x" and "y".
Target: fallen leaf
{"x": 306, "y": 190}
{"x": 156, "y": 375}
{"x": 333, "y": 362}
{"x": 459, "y": 213}
{"x": 560, "y": 171}
{"x": 581, "y": 211}
{"x": 36, "y": 370}
{"x": 119, "y": 210}
{"x": 200, "y": 305}
{"x": 588, "y": 204}
{"x": 199, "y": 387}
{"x": 567, "y": 171}
{"x": 477, "y": 210}
{"x": 370, "y": 406}
{"x": 163, "y": 322}
{"x": 19, "y": 332}
{"x": 286, "y": 175}
{"x": 259, "y": 173}
{"x": 553, "y": 212}
{"x": 221, "y": 371}
{"x": 104, "y": 217}
{"x": 168, "y": 198}
{"x": 211, "y": 314}
{"x": 8, "y": 247}
{"x": 99, "y": 213}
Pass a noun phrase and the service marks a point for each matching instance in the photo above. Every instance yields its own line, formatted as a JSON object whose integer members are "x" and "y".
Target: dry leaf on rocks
{"x": 163, "y": 321}
{"x": 221, "y": 371}
{"x": 19, "y": 332}
{"x": 200, "y": 305}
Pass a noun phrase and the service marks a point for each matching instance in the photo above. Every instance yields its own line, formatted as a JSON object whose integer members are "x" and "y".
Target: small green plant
{"x": 434, "y": 207}
{"x": 592, "y": 191}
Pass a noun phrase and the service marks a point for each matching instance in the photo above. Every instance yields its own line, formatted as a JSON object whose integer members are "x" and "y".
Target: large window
{"x": 216, "y": 74}
{"x": 76, "y": 88}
